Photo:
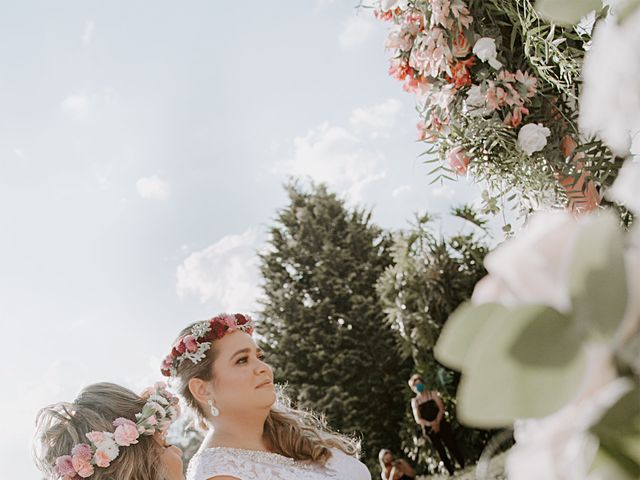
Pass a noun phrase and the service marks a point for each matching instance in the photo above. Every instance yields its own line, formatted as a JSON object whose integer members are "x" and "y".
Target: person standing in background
{"x": 428, "y": 412}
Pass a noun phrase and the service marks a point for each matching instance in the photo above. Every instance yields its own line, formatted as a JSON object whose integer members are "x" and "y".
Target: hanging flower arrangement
{"x": 496, "y": 89}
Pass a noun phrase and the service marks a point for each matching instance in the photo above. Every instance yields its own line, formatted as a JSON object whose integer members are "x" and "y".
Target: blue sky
{"x": 143, "y": 148}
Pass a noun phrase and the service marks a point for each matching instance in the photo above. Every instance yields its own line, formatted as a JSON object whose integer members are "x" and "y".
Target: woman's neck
{"x": 240, "y": 431}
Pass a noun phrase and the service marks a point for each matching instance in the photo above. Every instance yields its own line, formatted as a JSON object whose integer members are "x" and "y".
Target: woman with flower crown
{"x": 252, "y": 434}
{"x": 108, "y": 432}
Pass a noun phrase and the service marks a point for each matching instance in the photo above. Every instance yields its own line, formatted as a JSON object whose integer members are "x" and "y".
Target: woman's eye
{"x": 242, "y": 360}
{"x": 261, "y": 357}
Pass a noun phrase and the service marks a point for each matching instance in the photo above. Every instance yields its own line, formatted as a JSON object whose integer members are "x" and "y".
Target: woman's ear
{"x": 200, "y": 389}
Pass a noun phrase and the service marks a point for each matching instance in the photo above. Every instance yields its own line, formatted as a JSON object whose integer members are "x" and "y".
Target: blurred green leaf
{"x": 507, "y": 374}
{"x": 597, "y": 278}
{"x": 566, "y": 12}
{"x": 548, "y": 340}
{"x": 619, "y": 434}
{"x": 460, "y": 330}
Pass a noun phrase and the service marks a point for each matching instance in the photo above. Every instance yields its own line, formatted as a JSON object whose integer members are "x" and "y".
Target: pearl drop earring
{"x": 214, "y": 410}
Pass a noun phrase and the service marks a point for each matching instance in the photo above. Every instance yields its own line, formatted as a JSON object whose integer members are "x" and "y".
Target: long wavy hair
{"x": 292, "y": 432}
{"x": 62, "y": 425}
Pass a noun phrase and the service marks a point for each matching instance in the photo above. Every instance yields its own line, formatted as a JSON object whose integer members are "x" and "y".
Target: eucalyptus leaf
{"x": 548, "y": 340}
{"x": 460, "y": 330}
{"x": 619, "y": 433}
{"x": 597, "y": 278}
{"x": 502, "y": 382}
{"x": 609, "y": 464}
{"x": 566, "y": 12}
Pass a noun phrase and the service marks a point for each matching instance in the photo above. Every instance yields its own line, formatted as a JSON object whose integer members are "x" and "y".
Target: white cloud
{"x": 321, "y": 4}
{"x": 377, "y": 119}
{"x": 89, "y": 28}
{"x": 444, "y": 191}
{"x": 357, "y": 30}
{"x": 225, "y": 273}
{"x": 400, "y": 190}
{"x": 335, "y": 156}
{"x": 103, "y": 182}
{"x": 19, "y": 152}
{"x": 83, "y": 105}
{"x": 153, "y": 188}
{"x": 79, "y": 105}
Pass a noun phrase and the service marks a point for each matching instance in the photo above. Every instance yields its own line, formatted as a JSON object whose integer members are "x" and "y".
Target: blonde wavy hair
{"x": 294, "y": 433}
{"x": 62, "y": 425}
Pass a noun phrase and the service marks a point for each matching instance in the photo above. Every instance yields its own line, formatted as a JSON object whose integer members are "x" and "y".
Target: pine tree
{"x": 322, "y": 322}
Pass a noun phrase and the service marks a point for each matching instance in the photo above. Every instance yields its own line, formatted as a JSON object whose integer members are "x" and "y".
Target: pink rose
{"x": 95, "y": 437}
{"x": 81, "y": 460}
{"x": 190, "y": 343}
{"x": 147, "y": 392}
{"x": 461, "y": 46}
{"x": 64, "y": 466}
{"x": 126, "y": 432}
{"x": 82, "y": 451}
{"x": 102, "y": 459}
{"x": 229, "y": 321}
{"x": 85, "y": 470}
{"x": 458, "y": 160}
{"x": 180, "y": 347}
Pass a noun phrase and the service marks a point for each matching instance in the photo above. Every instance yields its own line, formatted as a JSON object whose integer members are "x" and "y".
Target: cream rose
{"x": 533, "y": 137}
{"x": 485, "y": 50}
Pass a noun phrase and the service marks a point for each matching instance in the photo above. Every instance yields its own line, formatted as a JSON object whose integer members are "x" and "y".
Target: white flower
{"x": 475, "y": 104}
{"x": 610, "y": 100}
{"x": 198, "y": 355}
{"x": 625, "y": 189}
{"x": 386, "y": 5}
{"x": 200, "y": 328}
{"x": 485, "y": 50}
{"x": 158, "y": 399}
{"x": 532, "y": 267}
{"x": 475, "y": 98}
{"x": 533, "y": 137}
{"x": 108, "y": 445}
{"x": 560, "y": 447}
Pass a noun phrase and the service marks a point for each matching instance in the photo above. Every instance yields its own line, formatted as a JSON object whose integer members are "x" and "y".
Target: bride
{"x": 222, "y": 375}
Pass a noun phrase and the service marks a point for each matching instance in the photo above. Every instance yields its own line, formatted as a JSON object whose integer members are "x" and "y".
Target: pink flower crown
{"x": 195, "y": 344}
{"x": 157, "y": 414}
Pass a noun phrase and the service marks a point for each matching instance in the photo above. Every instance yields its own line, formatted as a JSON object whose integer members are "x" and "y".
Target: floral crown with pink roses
{"x": 159, "y": 411}
{"x": 194, "y": 345}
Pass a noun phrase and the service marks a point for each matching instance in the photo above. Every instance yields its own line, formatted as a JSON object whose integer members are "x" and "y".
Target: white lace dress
{"x": 257, "y": 465}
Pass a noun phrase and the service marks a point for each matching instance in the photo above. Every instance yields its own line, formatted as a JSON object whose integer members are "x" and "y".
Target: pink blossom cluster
{"x": 104, "y": 447}
{"x": 510, "y": 91}
{"x": 194, "y": 345}
{"x": 433, "y": 54}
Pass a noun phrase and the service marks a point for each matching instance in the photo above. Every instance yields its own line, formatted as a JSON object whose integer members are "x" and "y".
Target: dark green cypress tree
{"x": 322, "y": 322}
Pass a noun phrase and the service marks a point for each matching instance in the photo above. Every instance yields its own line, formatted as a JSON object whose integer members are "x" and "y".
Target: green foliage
{"x": 523, "y": 353}
{"x": 619, "y": 434}
{"x": 597, "y": 277}
{"x": 322, "y": 322}
{"x": 566, "y": 12}
{"x": 554, "y": 54}
{"x": 512, "y": 357}
{"x": 429, "y": 278}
